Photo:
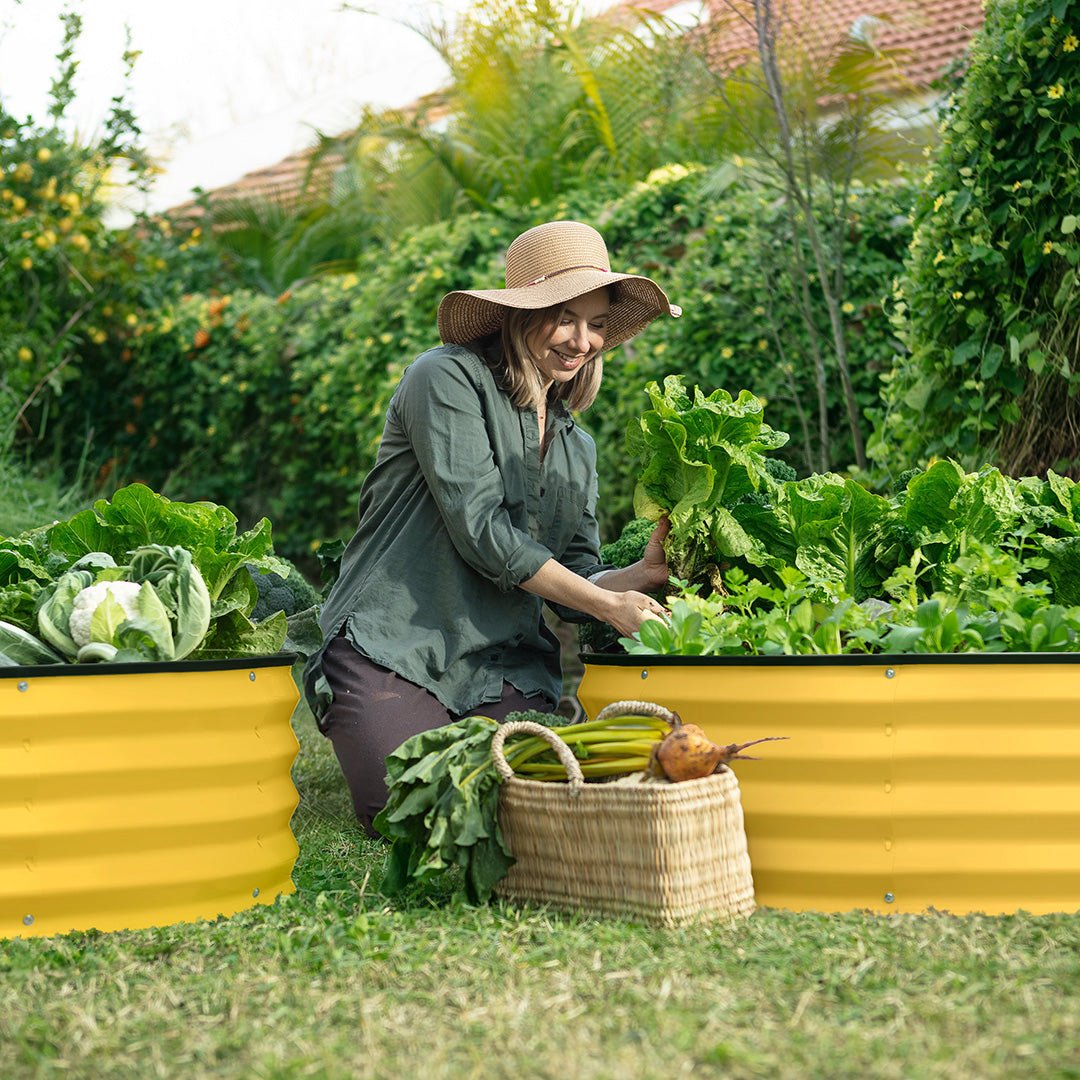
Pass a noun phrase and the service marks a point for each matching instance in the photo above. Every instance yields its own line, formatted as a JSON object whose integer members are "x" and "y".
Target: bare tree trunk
{"x": 802, "y": 197}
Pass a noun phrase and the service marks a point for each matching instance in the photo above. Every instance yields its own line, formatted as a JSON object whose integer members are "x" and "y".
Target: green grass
{"x": 334, "y": 981}
{"x": 29, "y": 498}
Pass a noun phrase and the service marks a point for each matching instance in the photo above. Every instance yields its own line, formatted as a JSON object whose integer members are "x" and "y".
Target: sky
{"x": 224, "y": 87}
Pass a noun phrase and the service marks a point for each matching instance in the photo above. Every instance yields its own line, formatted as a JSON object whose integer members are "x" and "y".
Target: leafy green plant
{"x": 140, "y": 577}
{"x": 988, "y": 302}
{"x": 702, "y": 454}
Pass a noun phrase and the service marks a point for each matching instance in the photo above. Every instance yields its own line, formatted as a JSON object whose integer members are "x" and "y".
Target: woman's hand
{"x": 653, "y": 563}
{"x": 628, "y": 610}
{"x": 650, "y": 573}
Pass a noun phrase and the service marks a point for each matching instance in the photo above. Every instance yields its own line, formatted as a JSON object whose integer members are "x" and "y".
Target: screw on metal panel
{"x": 255, "y": 892}
{"x": 28, "y": 920}
{"x": 24, "y": 686}
{"x": 644, "y": 674}
{"x": 889, "y": 898}
{"x": 890, "y": 673}
{"x": 251, "y": 675}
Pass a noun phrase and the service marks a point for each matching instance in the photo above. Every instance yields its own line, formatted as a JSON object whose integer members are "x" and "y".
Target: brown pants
{"x": 375, "y": 710}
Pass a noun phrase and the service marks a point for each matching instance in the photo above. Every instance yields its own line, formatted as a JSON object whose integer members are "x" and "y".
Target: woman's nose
{"x": 580, "y": 339}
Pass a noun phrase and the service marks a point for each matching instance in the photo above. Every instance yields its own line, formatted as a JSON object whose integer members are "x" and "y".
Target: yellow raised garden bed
{"x": 137, "y": 795}
{"x": 907, "y": 783}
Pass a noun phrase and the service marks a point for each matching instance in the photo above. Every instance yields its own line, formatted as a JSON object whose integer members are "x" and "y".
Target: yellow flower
{"x": 131, "y": 318}
{"x": 1047, "y": 247}
{"x": 939, "y": 257}
{"x": 349, "y": 281}
{"x": 46, "y": 240}
{"x": 25, "y": 355}
{"x": 957, "y": 295}
{"x": 23, "y": 171}
{"x": 436, "y": 272}
{"x": 759, "y": 310}
{"x": 44, "y": 154}
{"x": 1017, "y": 186}
{"x": 1070, "y": 43}
{"x": 99, "y": 337}
{"x": 324, "y": 408}
{"x": 1055, "y": 91}
{"x": 937, "y": 203}
{"x": 211, "y": 430}
{"x": 18, "y": 204}
{"x": 737, "y": 161}
{"x": 727, "y": 352}
{"x": 762, "y": 344}
{"x": 27, "y": 263}
{"x": 386, "y": 338}
{"x": 69, "y": 201}
{"x": 660, "y": 347}
{"x": 848, "y": 307}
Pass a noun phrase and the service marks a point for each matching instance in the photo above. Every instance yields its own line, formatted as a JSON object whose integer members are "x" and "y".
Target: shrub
{"x": 989, "y": 300}
{"x": 282, "y": 401}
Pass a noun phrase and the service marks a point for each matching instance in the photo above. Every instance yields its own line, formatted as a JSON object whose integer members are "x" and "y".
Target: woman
{"x": 482, "y": 505}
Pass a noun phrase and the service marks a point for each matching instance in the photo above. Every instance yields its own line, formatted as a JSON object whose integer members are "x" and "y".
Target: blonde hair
{"x": 514, "y": 364}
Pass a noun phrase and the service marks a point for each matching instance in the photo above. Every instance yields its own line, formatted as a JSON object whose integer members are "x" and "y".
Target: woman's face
{"x": 578, "y": 335}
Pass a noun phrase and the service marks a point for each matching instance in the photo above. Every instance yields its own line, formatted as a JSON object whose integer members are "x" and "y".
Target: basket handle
{"x": 638, "y": 708}
{"x": 562, "y": 751}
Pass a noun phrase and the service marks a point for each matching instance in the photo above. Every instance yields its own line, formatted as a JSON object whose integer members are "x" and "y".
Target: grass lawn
{"x": 333, "y": 981}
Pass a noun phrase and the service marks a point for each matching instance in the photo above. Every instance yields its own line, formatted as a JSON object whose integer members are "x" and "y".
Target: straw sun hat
{"x": 549, "y": 265}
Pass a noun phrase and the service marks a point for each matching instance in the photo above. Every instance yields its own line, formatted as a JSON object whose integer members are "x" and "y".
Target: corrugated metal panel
{"x": 947, "y": 786}
{"x": 131, "y": 800}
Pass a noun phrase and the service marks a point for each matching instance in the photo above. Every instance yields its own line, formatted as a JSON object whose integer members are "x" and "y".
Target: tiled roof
{"x": 925, "y": 34}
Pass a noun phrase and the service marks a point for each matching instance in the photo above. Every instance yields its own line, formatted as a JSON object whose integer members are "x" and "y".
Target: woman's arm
{"x": 624, "y": 608}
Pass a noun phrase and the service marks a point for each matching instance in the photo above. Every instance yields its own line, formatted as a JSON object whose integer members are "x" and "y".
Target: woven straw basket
{"x": 664, "y": 854}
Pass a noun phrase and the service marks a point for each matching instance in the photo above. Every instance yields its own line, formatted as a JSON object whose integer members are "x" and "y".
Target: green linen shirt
{"x": 456, "y": 513}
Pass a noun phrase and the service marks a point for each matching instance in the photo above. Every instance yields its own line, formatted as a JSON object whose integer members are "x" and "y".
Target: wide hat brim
{"x": 466, "y": 315}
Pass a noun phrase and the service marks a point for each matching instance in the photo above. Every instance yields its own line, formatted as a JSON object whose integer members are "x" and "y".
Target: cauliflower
{"x": 125, "y": 593}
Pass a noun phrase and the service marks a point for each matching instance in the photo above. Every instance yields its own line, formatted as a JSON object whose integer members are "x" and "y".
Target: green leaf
{"x": 1068, "y": 224}
{"x": 1064, "y": 568}
{"x": 106, "y": 619}
{"x": 18, "y": 648}
{"x": 929, "y": 497}
{"x": 991, "y": 361}
{"x": 54, "y": 614}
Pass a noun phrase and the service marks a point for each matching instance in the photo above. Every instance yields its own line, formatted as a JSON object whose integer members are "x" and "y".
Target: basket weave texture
{"x": 664, "y": 854}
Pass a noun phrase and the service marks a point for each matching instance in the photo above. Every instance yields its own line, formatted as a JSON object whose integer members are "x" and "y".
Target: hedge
{"x": 275, "y": 406}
